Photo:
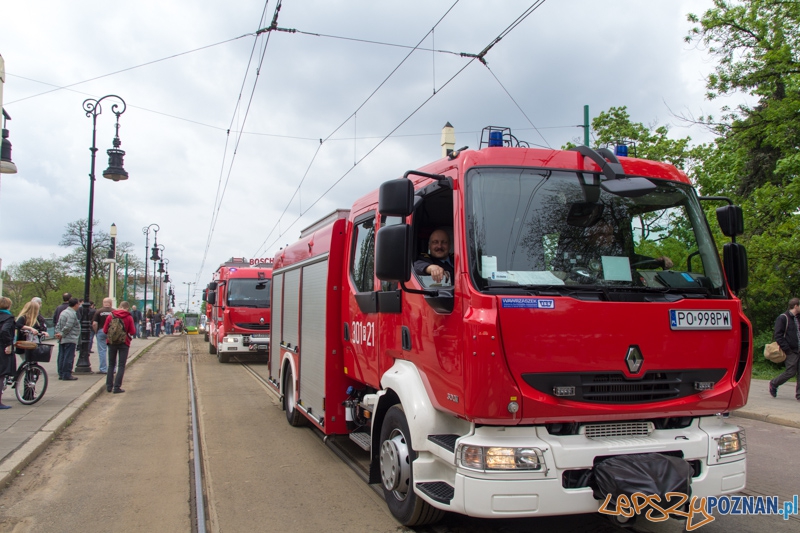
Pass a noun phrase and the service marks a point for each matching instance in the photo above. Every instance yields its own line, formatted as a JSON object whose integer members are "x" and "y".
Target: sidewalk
{"x": 783, "y": 410}
{"x": 25, "y": 430}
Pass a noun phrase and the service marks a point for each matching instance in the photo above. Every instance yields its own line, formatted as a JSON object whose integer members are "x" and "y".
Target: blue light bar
{"x": 495, "y": 138}
{"x": 621, "y": 150}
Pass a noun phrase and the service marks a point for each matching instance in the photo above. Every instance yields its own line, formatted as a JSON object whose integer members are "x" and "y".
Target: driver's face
{"x": 439, "y": 244}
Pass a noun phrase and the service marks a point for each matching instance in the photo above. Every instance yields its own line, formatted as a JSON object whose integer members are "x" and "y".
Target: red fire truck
{"x": 546, "y": 353}
{"x": 239, "y": 318}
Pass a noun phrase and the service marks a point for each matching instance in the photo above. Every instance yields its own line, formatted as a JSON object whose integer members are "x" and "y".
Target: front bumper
{"x": 526, "y": 494}
{"x": 245, "y": 344}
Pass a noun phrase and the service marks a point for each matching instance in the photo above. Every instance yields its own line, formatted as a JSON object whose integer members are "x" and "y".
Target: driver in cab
{"x": 438, "y": 262}
{"x": 601, "y": 238}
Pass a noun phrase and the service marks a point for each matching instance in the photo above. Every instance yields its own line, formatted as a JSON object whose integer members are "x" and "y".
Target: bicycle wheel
{"x": 31, "y": 384}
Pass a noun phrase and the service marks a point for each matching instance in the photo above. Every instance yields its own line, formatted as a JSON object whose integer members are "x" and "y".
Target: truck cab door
{"x": 361, "y": 311}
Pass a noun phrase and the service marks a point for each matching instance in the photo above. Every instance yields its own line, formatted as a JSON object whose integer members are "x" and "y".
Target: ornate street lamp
{"x": 156, "y": 257}
{"x": 146, "y": 232}
{"x": 114, "y": 172}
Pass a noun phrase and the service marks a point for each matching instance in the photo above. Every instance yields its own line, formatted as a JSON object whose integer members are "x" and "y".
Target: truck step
{"x": 362, "y": 439}
{"x": 437, "y": 490}
{"x": 448, "y": 442}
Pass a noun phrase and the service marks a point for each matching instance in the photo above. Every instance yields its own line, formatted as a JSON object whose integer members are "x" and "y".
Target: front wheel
{"x": 31, "y": 384}
{"x": 212, "y": 348}
{"x": 397, "y": 472}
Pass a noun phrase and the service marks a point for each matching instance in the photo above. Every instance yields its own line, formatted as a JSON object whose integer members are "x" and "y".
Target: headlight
{"x": 497, "y": 458}
{"x": 232, "y": 340}
{"x": 732, "y": 443}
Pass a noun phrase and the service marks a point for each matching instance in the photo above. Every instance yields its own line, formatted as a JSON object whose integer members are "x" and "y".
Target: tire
{"x": 397, "y": 472}
{"x": 223, "y": 357}
{"x": 293, "y": 416}
{"x": 31, "y": 384}
{"x": 212, "y": 348}
{"x": 205, "y": 336}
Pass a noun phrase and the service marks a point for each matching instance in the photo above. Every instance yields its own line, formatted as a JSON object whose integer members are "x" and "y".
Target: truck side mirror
{"x": 212, "y": 286}
{"x": 212, "y": 297}
{"x": 730, "y": 220}
{"x": 734, "y": 259}
{"x": 396, "y": 198}
{"x": 392, "y": 256}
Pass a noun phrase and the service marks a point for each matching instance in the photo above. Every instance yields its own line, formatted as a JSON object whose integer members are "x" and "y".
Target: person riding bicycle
{"x": 8, "y": 359}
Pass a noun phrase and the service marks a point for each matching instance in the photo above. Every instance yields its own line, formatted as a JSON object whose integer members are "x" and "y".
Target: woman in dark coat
{"x": 8, "y": 359}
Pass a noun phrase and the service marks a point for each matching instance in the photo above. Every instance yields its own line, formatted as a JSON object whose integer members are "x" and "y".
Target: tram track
{"x": 198, "y": 484}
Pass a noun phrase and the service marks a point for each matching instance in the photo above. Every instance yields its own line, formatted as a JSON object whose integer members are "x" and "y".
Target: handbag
{"x": 772, "y": 351}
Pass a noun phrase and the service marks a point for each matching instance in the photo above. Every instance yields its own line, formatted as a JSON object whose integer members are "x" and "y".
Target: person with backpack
{"x": 119, "y": 330}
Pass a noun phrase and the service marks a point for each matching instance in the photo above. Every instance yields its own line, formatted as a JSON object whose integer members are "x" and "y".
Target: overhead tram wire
{"x": 58, "y": 88}
{"x": 322, "y": 141}
{"x": 519, "y": 107}
{"x": 217, "y": 197}
{"x": 480, "y": 56}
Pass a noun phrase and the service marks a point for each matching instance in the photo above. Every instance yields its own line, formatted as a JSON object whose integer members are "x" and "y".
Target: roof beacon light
{"x": 495, "y": 138}
{"x": 621, "y": 150}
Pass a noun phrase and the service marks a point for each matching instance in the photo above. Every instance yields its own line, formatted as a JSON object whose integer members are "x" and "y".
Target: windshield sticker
{"x": 528, "y": 303}
{"x": 489, "y": 265}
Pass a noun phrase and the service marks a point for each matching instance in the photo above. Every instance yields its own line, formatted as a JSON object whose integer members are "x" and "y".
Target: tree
{"x": 43, "y": 276}
{"x": 756, "y": 158}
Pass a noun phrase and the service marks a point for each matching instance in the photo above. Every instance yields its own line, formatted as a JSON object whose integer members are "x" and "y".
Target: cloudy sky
{"x": 223, "y": 129}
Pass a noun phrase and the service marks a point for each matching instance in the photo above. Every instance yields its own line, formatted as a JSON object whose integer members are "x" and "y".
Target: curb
{"x": 33, "y": 447}
{"x": 772, "y": 419}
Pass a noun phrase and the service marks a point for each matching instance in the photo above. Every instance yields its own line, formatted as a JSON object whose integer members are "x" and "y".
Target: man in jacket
{"x": 787, "y": 335}
{"x": 98, "y": 321}
{"x": 113, "y": 383}
{"x": 137, "y": 321}
{"x": 68, "y": 333}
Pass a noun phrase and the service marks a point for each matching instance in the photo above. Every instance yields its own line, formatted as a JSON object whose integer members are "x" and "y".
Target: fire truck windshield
{"x": 248, "y": 292}
{"x": 537, "y": 227}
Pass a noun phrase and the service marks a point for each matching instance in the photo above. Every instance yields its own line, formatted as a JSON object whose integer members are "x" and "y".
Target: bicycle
{"x": 30, "y": 380}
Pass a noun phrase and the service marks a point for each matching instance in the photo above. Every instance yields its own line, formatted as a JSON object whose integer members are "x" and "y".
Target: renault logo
{"x": 634, "y": 359}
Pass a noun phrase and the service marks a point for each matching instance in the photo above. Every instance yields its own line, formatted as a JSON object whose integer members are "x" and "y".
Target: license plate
{"x": 699, "y": 319}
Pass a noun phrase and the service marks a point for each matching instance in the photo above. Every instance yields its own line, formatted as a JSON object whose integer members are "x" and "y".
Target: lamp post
{"x": 112, "y": 266}
{"x": 188, "y": 293}
{"x": 146, "y": 232}
{"x": 114, "y": 172}
{"x": 163, "y": 267}
{"x": 155, "y": 257}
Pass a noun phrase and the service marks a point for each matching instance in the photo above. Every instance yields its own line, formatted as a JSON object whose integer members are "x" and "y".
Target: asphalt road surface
{"x": 126, "y": 464}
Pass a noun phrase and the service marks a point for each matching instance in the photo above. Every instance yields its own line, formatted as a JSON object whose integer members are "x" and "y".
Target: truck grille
{"x": 254, "y": 326}
{"x": 618, "y": 429}
{"x": 615, "y": 387}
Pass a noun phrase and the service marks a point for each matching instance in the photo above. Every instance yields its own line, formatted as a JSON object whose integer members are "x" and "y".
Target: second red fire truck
{"x": 238, "y": 309}
{"x": 588, "y": 328}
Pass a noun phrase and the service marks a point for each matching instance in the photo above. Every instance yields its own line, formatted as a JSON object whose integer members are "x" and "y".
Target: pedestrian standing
{"x": 169, "y": 321}
{"x": 137, "y": 321}
{"x": 8, "y": 359}
{"x": 157, "y": 318}
{"x": 119, "y": 331}
{"x": 787, "y": 335}
{"x": 57, "y": 313}
{"x": 68, "y": 333}
{"x": 99, "y": 320}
